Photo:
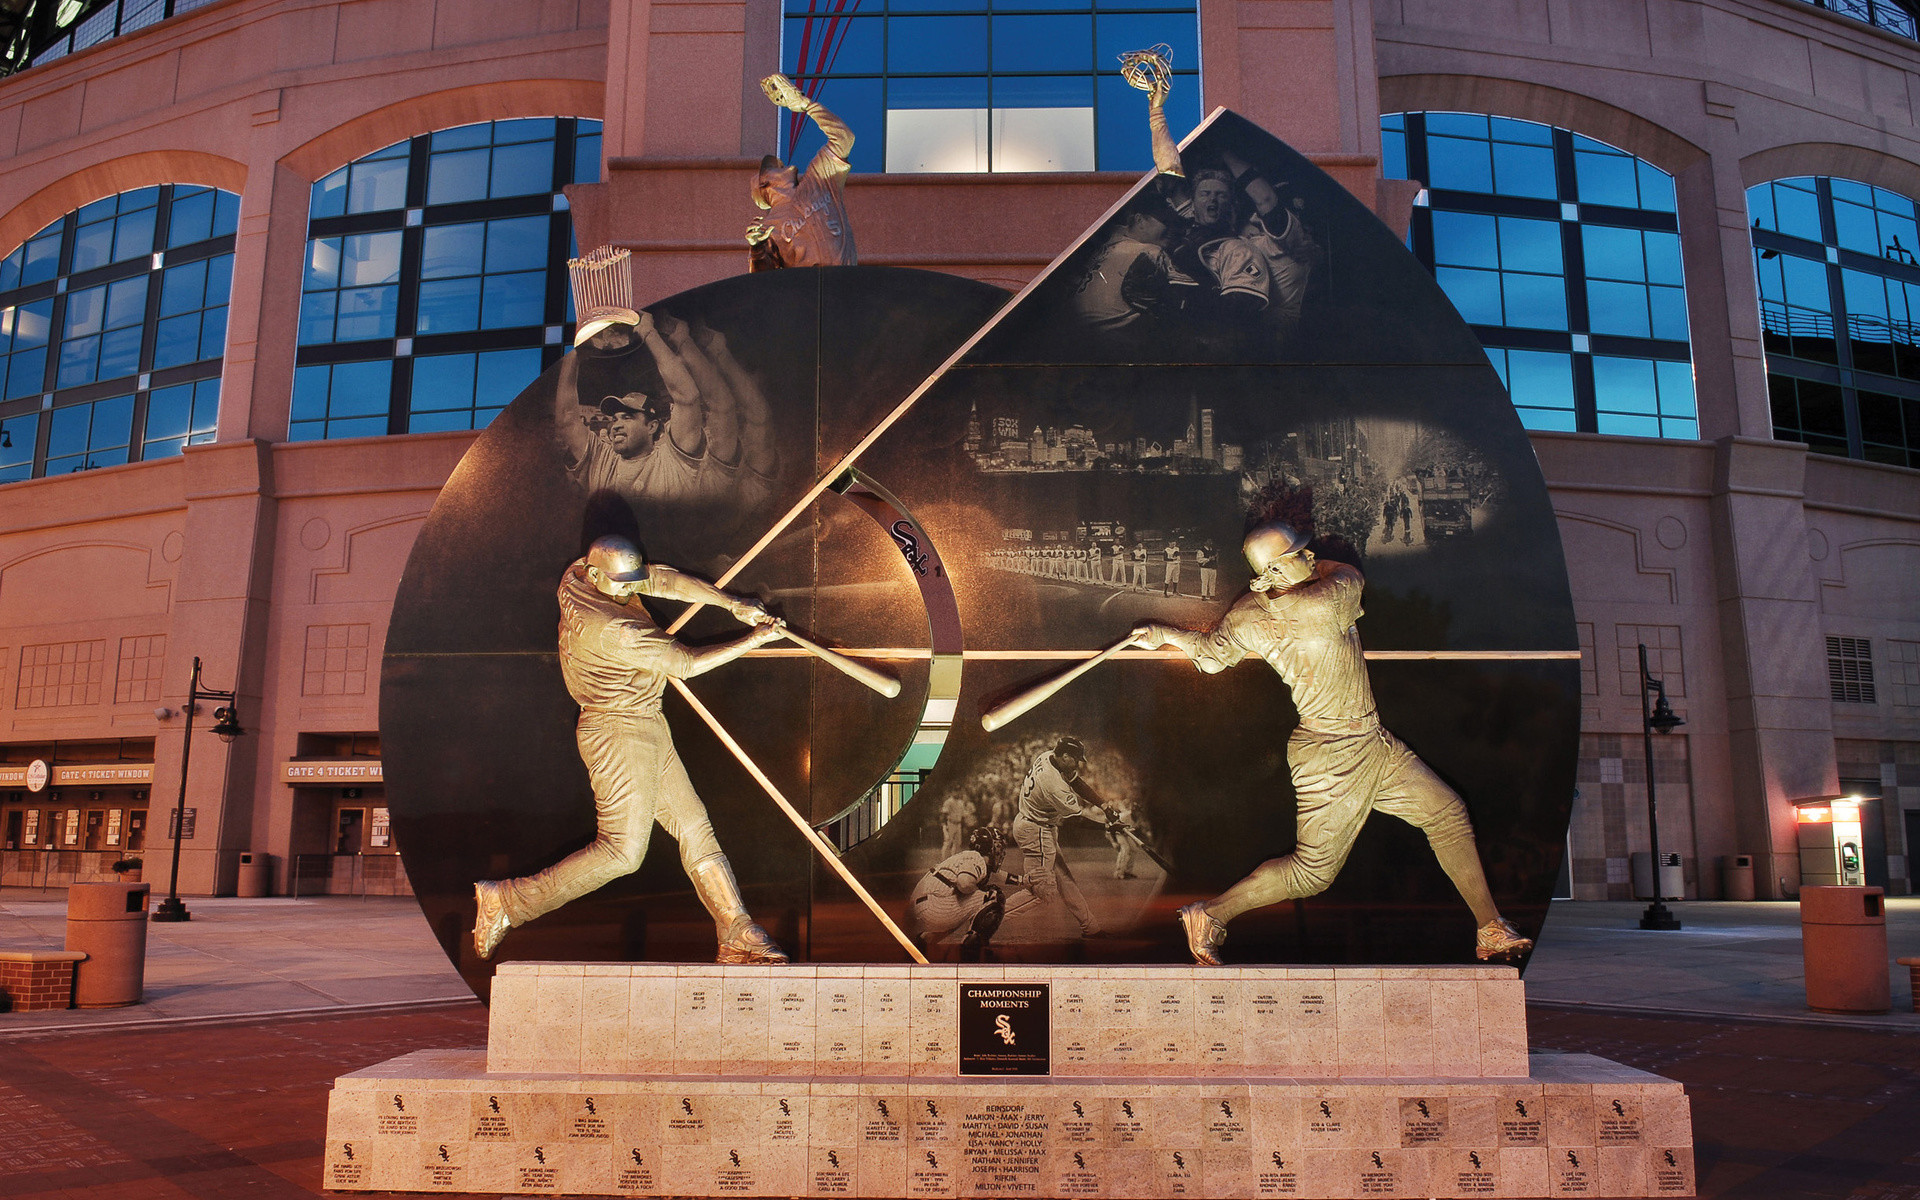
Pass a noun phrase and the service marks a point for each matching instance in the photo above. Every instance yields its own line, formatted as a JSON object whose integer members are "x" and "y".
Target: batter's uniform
{"x": 953, "y": 825}
{"x": 1126, "y": 281}
{"x": 1344, "y": 764}
{"x": 1140, "y": 566}
{"x": 1208, "y": 561}
{"x": 938, "y": 907}
{"x": 1122, "y": 846}
{"x": 616, "y": 661}
{"x": 1117, "y": 564}
{"x": 810, "y": 227}
{"x": 1171, "y": 584}
{"x": 1046, "y": 799}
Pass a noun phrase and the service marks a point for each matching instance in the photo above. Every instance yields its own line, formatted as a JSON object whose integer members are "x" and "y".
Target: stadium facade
{"x": 271, "y": 262}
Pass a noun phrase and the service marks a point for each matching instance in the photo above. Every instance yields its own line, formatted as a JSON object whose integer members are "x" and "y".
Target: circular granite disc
{"x": 1296, "y": 362}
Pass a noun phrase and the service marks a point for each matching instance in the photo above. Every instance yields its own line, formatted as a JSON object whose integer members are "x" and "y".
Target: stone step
{"x": 1168, "y": 1021}
{"x": 1570, "y": 1124}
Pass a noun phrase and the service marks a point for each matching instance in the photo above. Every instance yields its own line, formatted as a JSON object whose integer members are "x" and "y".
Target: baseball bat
{"x": 1000, "y": 714}
{"x": 886, "y": 685}
{"x": 1132, "y": 835}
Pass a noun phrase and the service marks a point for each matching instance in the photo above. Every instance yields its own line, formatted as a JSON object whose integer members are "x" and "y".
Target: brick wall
{"x": 34, "y": 986}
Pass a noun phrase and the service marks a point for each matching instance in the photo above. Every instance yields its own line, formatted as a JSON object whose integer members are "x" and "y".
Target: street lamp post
{"x": 226, "y": 726}
{"x": 1660, "y": 718}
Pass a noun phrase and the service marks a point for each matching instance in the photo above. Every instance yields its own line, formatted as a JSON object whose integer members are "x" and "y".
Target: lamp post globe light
{"x": 226, "y": 727}
{"x": 1660, "y": 718}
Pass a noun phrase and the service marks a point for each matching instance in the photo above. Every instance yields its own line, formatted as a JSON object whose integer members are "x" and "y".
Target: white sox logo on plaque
{"x": 1005, "y": 1029}
{"x": 970, "y": 499}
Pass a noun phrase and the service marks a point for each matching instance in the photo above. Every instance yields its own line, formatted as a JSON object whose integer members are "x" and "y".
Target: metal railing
{"x": 358, "y": 874}
{"x": 1889, "y": 15}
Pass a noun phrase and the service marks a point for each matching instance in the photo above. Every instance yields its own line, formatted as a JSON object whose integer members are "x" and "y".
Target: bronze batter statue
{"x": 806, "y": 215}
{"x": 1299, "y": 617}
{"x": 616, "y": 661}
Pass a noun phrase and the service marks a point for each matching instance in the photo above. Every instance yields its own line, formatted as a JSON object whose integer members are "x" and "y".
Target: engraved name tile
{"x": 1005, "y": 1133}
{"x": 1423, "y": 1121}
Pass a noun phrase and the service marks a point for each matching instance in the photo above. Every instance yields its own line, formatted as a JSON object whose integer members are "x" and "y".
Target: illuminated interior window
{"x": 973, "y": 86}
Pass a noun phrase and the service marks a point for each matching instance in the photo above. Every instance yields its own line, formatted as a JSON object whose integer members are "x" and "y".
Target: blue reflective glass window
{"x": 1520, "y": 170}
{"x": 85, "y": 436}
{"x": 1121, "y": 119}
{"x": 852, "y": 45}
{"x": 441, "y": 382}
{"x": 1604, "y": 175}
{"x": 1534, "y": 301}
{"x": 1115, "y": 35}
{"x": 1475, "y": 293}
{"x": 586, "y": 152}
{"x": 1788, "y": 206}
{"x": 510, "y": 300}
{"x": 937, "y": 45}
{"x": 1613, "y": 253}
{"x": 1539, "y": 379}
{"x": 1530, "y": 245}
{"x": 1617, "y": 308}
{"x": 1466, "y": 239}
{"x": 378, "y": 182}
{"x": 180, "y": 416}
{"x": 21, "y": 436}
{"x": 491, "y": 269}
{"x": 1457, "y": 164}
{"x": 1055, "y": 42}
{"x": 35, "y": 262}
{"x": 457, "y": 176}
{"x": 521, "y": 170}
{"x": 1393, "y": 147}
{"x": 93, "y": 246}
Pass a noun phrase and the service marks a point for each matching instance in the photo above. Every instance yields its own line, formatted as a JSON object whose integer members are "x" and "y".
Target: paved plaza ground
{"x": 217, "y": 1085}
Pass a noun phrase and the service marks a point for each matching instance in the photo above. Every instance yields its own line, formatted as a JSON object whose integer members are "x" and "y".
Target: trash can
{"x": 108, "y": 922}
{"x": 1672, "y": 879}
{"x": 1843, "y": 939}
{"x": 1736, "y": 877}
{"x": 256, "y": 874}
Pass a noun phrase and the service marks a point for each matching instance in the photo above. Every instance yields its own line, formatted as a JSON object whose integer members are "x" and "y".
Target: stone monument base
{"x": 851, "y": 1081}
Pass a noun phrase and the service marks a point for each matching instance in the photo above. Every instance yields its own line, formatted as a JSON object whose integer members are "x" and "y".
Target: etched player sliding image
{"x": 1300, "y": 616}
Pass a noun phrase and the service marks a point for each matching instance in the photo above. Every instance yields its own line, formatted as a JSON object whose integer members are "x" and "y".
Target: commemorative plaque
{"x": 1005, "y": 1029}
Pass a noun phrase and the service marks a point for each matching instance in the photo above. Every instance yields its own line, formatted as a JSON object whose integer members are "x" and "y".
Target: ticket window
{"x": 96, "y": 830}
{"x": 137, "y": 829}
{"x": 16, "y": 823}
{"x": 351, "y": 831}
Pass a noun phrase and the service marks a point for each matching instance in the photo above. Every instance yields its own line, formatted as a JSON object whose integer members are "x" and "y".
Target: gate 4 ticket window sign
{"x": 1005, "y": 1029}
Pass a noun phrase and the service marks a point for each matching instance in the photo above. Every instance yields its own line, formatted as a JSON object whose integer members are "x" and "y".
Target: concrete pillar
{"x": 220, "y": 606}
{"x": 1723, "y": 300}
{"x": 1779, "y": 717}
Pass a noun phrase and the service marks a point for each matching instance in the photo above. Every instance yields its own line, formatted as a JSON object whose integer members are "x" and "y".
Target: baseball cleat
{"x": 748, "y": 943}
{"x": 1205, "y": 935}
{"x": 1499, "y": 939}
{"x": 490, "y": 922}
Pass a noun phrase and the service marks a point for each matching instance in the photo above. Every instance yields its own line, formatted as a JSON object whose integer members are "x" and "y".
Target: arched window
{"x": 1840, "y": 315}
{"x": 966, "y": 86}
{"x": 1563, "y": 253}
{"x": 435, "y": 285}
{"x": 113, "y": 323}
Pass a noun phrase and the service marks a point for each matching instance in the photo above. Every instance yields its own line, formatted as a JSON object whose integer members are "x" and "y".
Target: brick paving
{"x": 1781, "y": 1112}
